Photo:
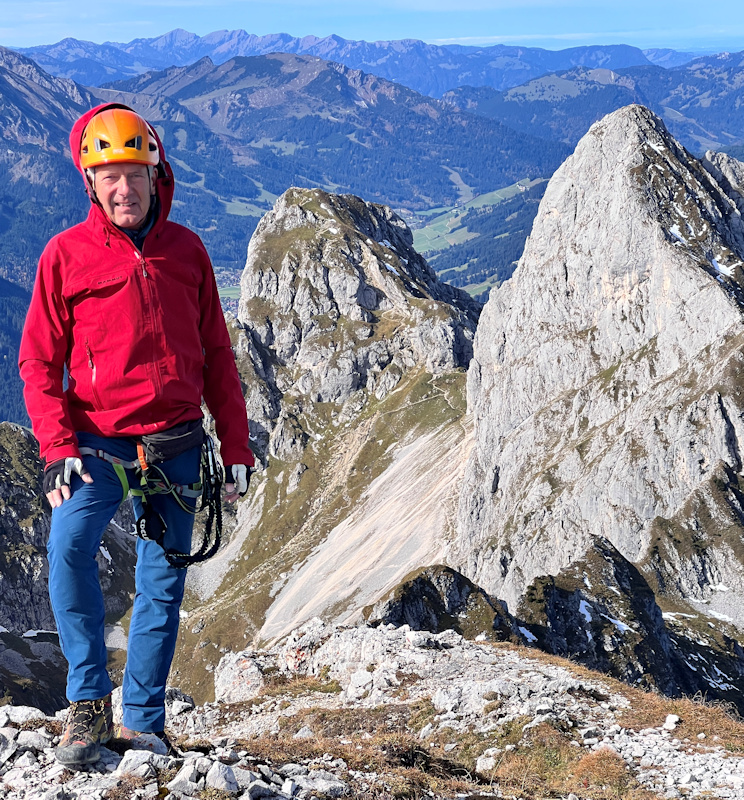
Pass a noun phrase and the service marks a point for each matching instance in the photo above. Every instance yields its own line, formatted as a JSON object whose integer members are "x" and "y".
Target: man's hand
{"x": 57, "y": 477}
{"x": 237, "y": 478}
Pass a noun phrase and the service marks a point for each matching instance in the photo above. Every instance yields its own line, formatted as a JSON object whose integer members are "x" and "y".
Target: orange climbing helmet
{"x": 118, "y": 135}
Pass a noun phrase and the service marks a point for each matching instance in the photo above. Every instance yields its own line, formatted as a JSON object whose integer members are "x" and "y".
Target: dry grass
{"x": 283, "y": 685}
{"x": 604, "y": 775}
{"x": 719, "y": 722}
{"x": 124, "y": 789}
{"x": 650, "y": 709}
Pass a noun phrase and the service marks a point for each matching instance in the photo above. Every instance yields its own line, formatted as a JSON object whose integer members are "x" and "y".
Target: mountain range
{"x": 240, "y": 133}
{"x": 427, "y": 68}
{"x": 701, "y": 102}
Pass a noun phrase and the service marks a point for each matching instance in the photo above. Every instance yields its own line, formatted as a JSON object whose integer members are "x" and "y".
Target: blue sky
{"x": 555, "y": 24}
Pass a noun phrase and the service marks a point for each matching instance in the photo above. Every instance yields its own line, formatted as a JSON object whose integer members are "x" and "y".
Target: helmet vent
{"x": 136, "y": 143}
{"x": 101, "y": 144}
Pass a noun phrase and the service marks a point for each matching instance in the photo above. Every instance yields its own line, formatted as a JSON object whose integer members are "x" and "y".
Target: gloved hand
{"x": 237, "y": 478}
{"x": 57, "y": 477}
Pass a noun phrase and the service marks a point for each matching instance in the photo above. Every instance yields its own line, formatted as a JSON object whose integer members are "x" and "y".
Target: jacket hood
{"x": 164, "y": 186}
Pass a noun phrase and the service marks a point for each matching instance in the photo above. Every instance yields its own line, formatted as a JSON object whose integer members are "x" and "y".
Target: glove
{"x": 57, "y": 476}
{"x": 240, "y": 476}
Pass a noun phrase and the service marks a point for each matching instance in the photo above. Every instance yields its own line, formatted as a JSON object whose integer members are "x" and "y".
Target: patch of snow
{"x": 672, "y": 615}
{"x": 722, "y": 617}
{"x": 3, "y": 630}
{"x": 721, "y": 587}
{"x": 621, "y": 626}
{"x": 391, "y": 269}
{"x": 528, "y": 634}
{"x": 105, "y": 553}
{"x": 584, "y": 609}
{"x": 674, "y": 230}
{"x": 719, "y": 673}
{"x": 587, "y": 582}
{"x": 31, "y": 633}
{"x": 332, "y": 230}
{"x": 724, "y": 269}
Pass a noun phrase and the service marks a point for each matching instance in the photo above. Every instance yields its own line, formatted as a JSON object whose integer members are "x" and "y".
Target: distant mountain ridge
{"x": 307, "y": 121}
{"x": 428, "y": 68}
{"x": 702, "y": 102}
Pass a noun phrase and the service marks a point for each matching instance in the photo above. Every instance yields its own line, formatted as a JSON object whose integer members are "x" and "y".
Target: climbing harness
{"x": 150, "y": 525}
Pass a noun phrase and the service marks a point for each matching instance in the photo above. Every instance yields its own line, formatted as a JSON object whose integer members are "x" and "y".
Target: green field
{"x": 445, "y": 230}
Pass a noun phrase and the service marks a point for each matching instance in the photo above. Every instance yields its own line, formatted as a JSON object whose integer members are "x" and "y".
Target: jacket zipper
{"x": 92, "y": 366}
{"x": 143, "y": 263}
{"x": 156, "y": 375}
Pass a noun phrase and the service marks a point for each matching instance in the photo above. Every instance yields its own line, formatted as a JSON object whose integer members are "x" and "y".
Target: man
{"x": 124, "y": 338}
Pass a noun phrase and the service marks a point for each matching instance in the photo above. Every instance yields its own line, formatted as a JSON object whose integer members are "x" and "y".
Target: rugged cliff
{"x": 607, "y": 396}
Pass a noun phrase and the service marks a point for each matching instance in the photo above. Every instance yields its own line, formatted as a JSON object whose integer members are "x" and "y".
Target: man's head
{"x": 119, "y": 154}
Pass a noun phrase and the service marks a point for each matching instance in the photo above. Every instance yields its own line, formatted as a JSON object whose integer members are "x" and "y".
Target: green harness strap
{"x": 122, "y": 474}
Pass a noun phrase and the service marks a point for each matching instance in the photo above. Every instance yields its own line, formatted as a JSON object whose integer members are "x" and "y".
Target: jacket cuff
{"x": 236, "y": 455}
{"x": 62, "y": 451}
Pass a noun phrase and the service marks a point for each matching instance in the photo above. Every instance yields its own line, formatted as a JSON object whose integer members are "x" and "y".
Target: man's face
{"x": 124, "y": 192}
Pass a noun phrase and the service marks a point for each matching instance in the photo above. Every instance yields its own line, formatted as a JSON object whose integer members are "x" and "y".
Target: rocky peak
{"x": 605, "y": 383}
{"x": 21, "y": 70}
{"x": 353, "y": 357}
{"x": 338, "y": 306}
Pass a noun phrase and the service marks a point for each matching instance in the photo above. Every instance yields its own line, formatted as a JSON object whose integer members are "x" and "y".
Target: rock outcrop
{"x": 439, "y": 598}
{"x": 337, "y": 306}
{"x": 605, "y": 386}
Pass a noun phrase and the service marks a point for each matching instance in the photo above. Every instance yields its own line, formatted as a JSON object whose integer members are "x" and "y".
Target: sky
{"x": 553, "y": 24}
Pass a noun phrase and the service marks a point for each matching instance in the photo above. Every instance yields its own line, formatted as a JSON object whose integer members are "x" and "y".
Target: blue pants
{"x": 77, "y": 600}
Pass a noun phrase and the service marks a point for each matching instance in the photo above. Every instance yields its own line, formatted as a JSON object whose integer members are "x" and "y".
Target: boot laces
{"x": 82, "y": 718}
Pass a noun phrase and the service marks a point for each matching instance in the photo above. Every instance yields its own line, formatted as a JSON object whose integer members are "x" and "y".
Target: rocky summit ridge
{"x": 384, "y": 712}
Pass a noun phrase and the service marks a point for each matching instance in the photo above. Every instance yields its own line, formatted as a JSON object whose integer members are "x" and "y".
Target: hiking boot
{"x": 89, "y": 725}
{"x": 157, "y": 741}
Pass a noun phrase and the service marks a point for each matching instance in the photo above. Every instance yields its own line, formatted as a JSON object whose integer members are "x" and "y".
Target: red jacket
{"x": 141, "y": 334}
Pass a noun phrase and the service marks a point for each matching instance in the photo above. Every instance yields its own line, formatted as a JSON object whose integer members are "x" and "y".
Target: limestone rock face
{"x": 337, "y": 306}
{"x": 606, "y": 382}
